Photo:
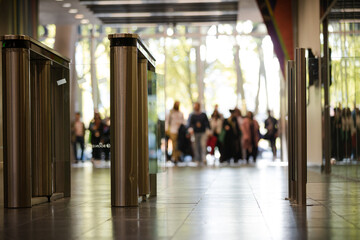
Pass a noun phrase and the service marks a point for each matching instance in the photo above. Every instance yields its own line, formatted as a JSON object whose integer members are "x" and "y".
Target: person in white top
{"x": 172, "y": 124}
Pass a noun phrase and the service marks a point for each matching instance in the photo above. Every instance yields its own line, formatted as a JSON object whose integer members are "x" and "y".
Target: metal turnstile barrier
{"x": 36, "y": 122}
{"x": 297, "y": 149}
{"x": 144, "y": 177}
{"x": 129, "y": 64}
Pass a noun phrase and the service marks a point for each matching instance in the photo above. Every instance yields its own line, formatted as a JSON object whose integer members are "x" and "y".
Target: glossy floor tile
{"x": 215, "y": 202}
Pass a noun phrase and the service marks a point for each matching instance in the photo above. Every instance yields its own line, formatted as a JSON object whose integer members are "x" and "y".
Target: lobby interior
{"x": 230, "y": 201}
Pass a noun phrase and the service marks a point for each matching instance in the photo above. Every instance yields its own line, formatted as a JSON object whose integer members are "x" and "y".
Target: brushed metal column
{"x": 291, "y": 128}
{"x": 300, "y": 125}
{"x": 17, "y": 127}
{"x": 325, "y": 76}
{"x": 41, "y": 128}
{"x": 124, "y": 122}
{"x": 144, "y": 177}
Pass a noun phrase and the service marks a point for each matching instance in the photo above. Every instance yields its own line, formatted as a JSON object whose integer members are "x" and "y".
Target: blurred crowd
{"x": 235, "y": 138}
{"x": 99, "y": 137}
{"x": 345, "y": 134}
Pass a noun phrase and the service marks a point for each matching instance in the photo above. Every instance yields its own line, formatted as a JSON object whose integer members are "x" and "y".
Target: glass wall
{"x": 344, "y": 44}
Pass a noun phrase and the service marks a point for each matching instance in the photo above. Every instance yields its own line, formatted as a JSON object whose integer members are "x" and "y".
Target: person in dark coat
{"x": 106, "y": 139}
{"x": 198, "y": 124}
{"x": 271, "y": 125}
{"x": 357, "y": 126}
{"x": 337, "y": 144}
{"x": 231, "y": 147}
{"x": 96, "y": 129}
{"x": 184, "y": 141}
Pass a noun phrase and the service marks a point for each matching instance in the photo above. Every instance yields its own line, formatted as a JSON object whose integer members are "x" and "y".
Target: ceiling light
{"x": 73, "y": 10}
{"x": 84, "y": 21}
{"x": 67, "y": 5}
{"x": 79, "y": 16}
{"x": 59, "y": 0}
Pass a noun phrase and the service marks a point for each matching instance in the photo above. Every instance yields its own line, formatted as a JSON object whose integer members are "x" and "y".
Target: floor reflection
{"x": 235, "y": 201}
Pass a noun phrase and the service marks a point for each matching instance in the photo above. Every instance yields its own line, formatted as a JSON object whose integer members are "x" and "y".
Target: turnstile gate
{"x": 36, "y": 117}
{"x": 297, "y": 149}
{"x": 130, "y": 61}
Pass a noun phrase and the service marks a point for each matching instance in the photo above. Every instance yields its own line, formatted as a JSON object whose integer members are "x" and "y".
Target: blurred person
{"x": 216, "y": 109}
{"x": 105, "y": 139}
{"x": 336, "y": 135}
{"x": 357, "y": 122}
{"x": 354, "y": 134}
{"x": 198, "y": 124}
{"x": 184, "y": 141}
{"x": 96, "y": 129}
{"x": 77, "y": 136}
{"x": 271, "y": 125}
{"x": 231, "y": 144}
{"x": 216, "y": 124}
{"x": 348, "y": 130}
{"x": 251, "y": 136}
{"x": 240, "y": 120}
{"x": 173, "y": 122}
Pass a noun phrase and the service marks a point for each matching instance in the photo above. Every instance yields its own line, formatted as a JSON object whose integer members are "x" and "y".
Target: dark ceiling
{"x": 164, "y": 11}
{"x": 345, "y": 10}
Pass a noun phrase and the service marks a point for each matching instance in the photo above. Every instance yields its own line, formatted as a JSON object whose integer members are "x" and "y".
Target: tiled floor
{"x": 229, "y": 202}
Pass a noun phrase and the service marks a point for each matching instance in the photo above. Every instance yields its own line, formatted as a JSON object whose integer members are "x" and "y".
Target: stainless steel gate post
{"x": 144, "y": 178}
{"x": 124, "y": 119}
{"x": 17, "y": 125}
{"x": 300, "y": 125}
{"x": 41, "y": 128}
{"x": 291, "y": 128}
{"x": 36, "y": 122}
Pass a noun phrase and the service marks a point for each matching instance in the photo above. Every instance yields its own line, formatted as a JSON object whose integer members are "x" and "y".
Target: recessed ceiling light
{"x": 79, "y": 16}
{"x": 67, "y": 5}
{"x": 73, "y": 10}
{"x": 59, "y": 0}
{"x": 84, "y": 21}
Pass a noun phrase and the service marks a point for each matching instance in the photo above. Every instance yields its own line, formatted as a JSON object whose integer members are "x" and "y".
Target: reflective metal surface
{"x": 124, "y": 125}
{"x": 300, "y": 126}
{"x": 123, "y": 35}
{"x": 291, "y": 129}
{"x": 40, "y": 49}
{"x": 41, "y": 128}
{"x": 60, "y": 131}
{"x": 144, "y": 178}
{"x": 17, "y": 127}
{"x": 36, "y": 115}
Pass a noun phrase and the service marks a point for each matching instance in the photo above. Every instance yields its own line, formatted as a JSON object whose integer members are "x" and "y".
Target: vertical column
{"x": 291, "y": 128}
{"x": 124, "y": 119}
{"x": 19, "y": 17}
{"x": 16, "y": 17}
{"x": 325, "y": 80}
{"x": 144, "y": 182}
{"x": 300, "y": 125}
{"x": 41, "y": 128}
{"x": 17, "y": 124}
